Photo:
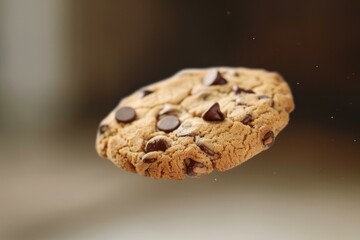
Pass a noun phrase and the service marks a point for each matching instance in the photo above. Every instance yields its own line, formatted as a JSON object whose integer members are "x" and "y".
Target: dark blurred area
{"x": 314, "y": 44}
{"x": 65, "y": 64}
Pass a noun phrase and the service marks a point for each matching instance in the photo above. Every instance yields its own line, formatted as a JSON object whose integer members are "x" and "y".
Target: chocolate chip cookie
{"x": 196, "y": 121}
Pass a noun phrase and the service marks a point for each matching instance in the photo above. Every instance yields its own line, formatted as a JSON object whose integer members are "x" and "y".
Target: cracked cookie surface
{"x": 196, "y": 121}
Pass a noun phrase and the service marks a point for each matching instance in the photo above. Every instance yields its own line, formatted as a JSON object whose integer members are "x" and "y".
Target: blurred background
{"x": 65, "y": 64}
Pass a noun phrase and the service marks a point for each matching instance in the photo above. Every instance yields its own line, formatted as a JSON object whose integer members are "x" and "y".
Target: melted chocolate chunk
{"x": 149, "y": 160}
{"x": 248, "y": 119}
{"x": 191, "y": 165}
{"x": 213, "y": 113}
{"x": 238, "y": 90}
{"x": 268, "y": 139}
{"x": 168, "y": 123}
{"x": 103, "y": 128}
{"x": 214, "y": 77}
{"x": 158, "y": 144}
{"x": 125, "y": 115}
{"x": 146, "y": 92}
{"x": 205, "y": 149}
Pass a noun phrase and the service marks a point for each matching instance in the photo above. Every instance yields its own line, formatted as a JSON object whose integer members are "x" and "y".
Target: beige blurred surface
{"x": 296, "y": 190}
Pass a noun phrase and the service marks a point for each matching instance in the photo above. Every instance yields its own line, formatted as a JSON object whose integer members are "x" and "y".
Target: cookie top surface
{"x": 195, "y": 122}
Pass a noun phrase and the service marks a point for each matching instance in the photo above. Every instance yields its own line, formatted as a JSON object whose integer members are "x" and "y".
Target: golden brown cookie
{"x": 196, "y": 121}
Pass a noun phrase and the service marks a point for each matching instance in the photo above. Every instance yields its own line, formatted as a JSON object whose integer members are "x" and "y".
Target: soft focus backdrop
{"x": 65, "y": 64}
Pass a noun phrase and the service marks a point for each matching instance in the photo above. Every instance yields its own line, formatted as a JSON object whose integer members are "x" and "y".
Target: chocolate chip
{"x": 213, "y": 113}
{"x": 157, "y": 144}
{"x": 148, "y": 160}
{"x": 168, "y": 123}
{"x": 205, "y": 149}
{"x": 103, "y": 128}
{"x": 214, "y": 77}
{"x": 146, "y": 92}
{"x": 268, "y": 139}
{"x": 238, "y": 90}
{"x": 191, "y": 165}
{"x": 248, "y": 119}
{"x": 125, "y": 114}
{"x": 149, "y": 157}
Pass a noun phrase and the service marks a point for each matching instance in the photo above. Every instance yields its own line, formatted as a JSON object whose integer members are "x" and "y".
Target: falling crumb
{"x": 253, "y": 38}
{"x": 317, "y": 66}
{"x": 332, "y": 117}
{"x": 354, "y": 140}
{"x": 215, "y": 179}
{"x": 297, "y": 83}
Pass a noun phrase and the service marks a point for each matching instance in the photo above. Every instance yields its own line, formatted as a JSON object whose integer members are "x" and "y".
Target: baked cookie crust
{"x": 195, "y": 122}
